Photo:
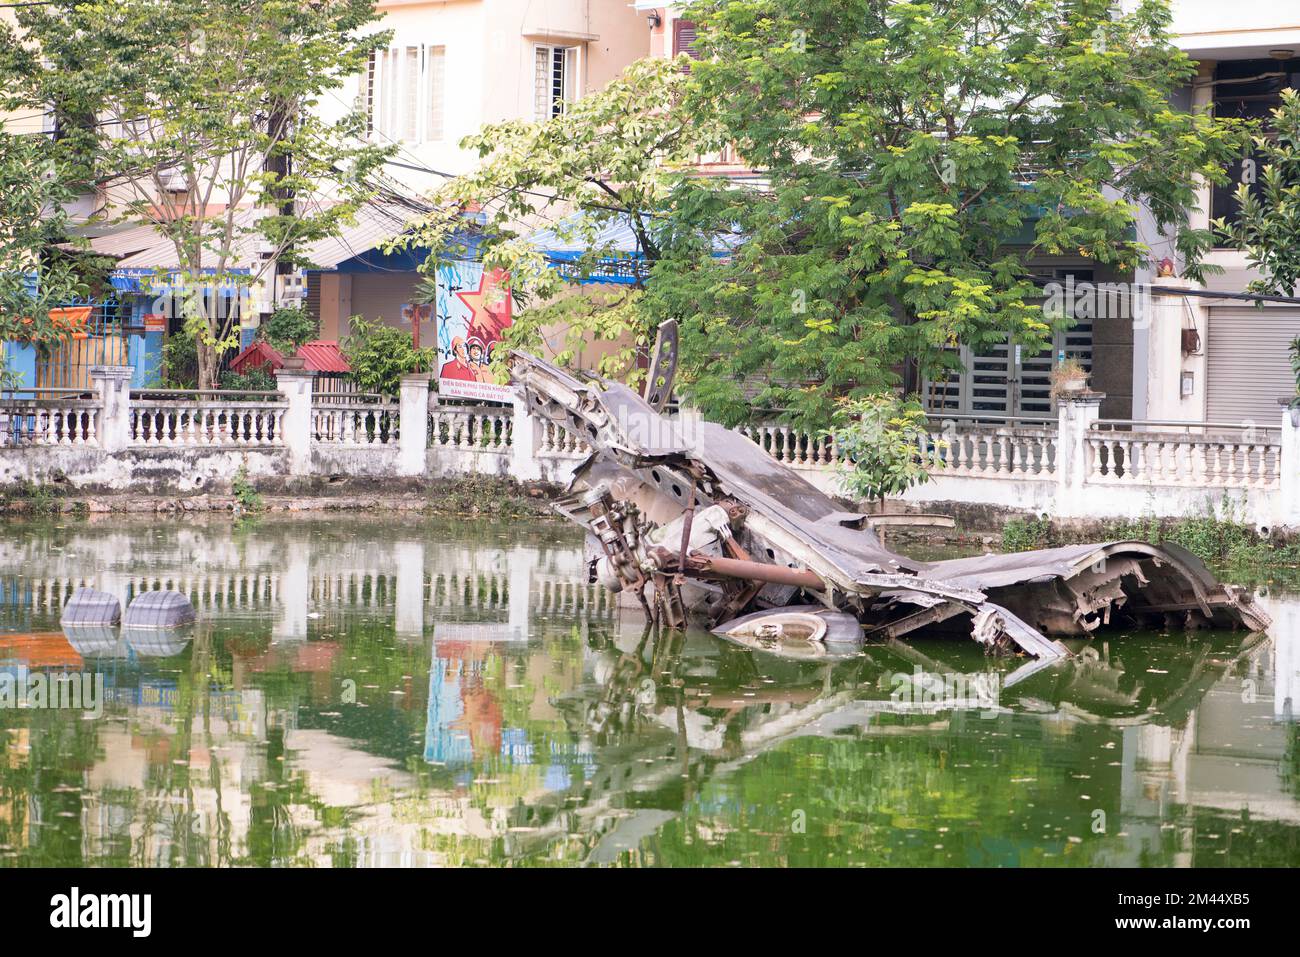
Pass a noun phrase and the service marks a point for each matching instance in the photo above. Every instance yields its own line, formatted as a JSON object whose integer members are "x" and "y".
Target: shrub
{"x": 287, "y": 328}
{"x": 380, "y": 355}
{"x": 248, "y": 498}
{"x": 180, "y": 362}
{"x": 879, "y": 439}
{"x": 254, "y": 380}
{"x": 1023, "y": 534}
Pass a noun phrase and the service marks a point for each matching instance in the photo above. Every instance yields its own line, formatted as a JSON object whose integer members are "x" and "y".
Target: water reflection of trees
{"x": 589, "y": 745}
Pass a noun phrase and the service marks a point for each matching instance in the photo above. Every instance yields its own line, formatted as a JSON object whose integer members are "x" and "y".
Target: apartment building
{"x": 450, "y": 68}
{"x": 1235, "y": 367}
{"x": 454, "y": 65}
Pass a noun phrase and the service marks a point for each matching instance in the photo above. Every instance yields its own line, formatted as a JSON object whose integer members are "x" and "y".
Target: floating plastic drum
{"x": 89, "y": 606}
{"x": 94, "y": 641}
{"x": 156, "y": 642}
{"x": 158, "y": 609}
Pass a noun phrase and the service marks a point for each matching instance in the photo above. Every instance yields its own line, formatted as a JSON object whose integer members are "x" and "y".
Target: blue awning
{"x": 153, "y": 281}
{"x": 567, "y": 243}
{"x": 625, "y": 263}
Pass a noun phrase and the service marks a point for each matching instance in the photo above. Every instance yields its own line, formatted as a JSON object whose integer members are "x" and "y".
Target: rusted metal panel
{"x": 715, "y": 527}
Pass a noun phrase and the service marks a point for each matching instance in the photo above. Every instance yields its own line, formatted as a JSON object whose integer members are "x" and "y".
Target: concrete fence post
{"x": 525, "y": 440}
{"x": 413, "y": 428}
{"x": 113, "y": 384}
{"x": 1076, "y": 415}
{"x": 296, "y": 387}
{"x": 1288, "y": 474}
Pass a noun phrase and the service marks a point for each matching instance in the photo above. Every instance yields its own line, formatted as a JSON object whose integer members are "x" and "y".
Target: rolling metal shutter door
{"x": 312, "y": 303}
{"x": 1247, "y": 366}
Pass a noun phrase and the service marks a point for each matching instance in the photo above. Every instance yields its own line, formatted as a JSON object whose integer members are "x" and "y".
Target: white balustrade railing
{"x": 1111, "y": 453}
{"x": 975, "y": 450}
{"x": 355, "y": 423}
{"x": 1209, "y": 460}
{"x": 792, "y": 446}
{"x": 560, "y": 444}
{"x": 485, "y": 429}
{"x": 206, "y": 422}
{"x": 49, "y": 421}
{"x": 980, "y": 451}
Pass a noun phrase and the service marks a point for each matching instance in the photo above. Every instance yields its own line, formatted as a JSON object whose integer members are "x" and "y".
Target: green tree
{"x": 609, "y": 159}
{"x": 1268, "y": 220}
{"x": 914, "y": 157}
{"x": 380, "y": 355}
{"x": 880, "y": 440}
{"x": 203, "y": 120}
{"x": 35, "y": 276}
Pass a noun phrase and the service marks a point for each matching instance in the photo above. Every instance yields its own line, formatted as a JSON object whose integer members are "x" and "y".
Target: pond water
{"x": 375, "y": 691}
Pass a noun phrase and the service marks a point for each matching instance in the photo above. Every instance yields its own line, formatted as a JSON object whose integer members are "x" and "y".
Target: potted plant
{"x": 1068, "y": 377}
{"x": 286, "y": 330}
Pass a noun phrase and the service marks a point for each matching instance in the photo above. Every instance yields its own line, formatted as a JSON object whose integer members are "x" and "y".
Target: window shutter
{"x": 684, "y": 39}
{"x": 410, "y": 95}
{"x": 542, "y": 82}
{"x": 369, "y": 94}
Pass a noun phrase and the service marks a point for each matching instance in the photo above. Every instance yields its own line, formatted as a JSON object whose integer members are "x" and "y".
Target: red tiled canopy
{"x": 323, "y": 355}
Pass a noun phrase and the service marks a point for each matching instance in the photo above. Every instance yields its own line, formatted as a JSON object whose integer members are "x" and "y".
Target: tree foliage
{"x": 879, "y": 439}
{"x": 204, "y": 119}
{"x": 608, "y": 160}
{"x": 287, "y": 328}
{"x": 914, "y": 157}
{"x": 1267, "y": 228}
{"x": 35, "y": 276}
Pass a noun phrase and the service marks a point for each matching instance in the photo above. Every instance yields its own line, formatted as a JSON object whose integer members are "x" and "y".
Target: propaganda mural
{"x": 474, "y": 310}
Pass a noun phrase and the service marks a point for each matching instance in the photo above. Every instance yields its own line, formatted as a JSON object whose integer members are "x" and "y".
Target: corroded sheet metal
{"x": 696, "y": 520}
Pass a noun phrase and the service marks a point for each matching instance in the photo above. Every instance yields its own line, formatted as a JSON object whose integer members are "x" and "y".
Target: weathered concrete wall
{"x": 445, "y": 463}
{"x": 142, "y": 470}
{"x": 336, "y": 460}
{"x": 944, "y": 493}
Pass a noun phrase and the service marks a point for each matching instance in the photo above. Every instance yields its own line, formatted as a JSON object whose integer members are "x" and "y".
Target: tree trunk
{"x": 207, "y": 356}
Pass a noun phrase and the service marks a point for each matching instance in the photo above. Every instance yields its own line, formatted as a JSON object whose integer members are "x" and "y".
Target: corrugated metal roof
{"x": 125, "y": 242}
{"x": 322, "y": 355}
{"x": 160, "y": 254}
{"x": 142, "y": 247}
{"x": 375, "y": 225}
{"x": 256, "y": 356}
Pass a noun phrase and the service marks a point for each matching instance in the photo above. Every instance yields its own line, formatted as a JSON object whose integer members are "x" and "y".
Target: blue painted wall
{"x": 21, "y": 359}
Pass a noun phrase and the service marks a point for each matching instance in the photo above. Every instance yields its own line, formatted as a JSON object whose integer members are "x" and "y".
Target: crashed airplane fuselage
{"x": 698, "y": 522}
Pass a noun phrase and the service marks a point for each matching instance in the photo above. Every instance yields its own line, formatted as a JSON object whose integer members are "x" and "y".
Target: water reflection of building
{"x": 545, "y": 727}
{"x": 294, "y": 576}
{"x": 189, "y": 778}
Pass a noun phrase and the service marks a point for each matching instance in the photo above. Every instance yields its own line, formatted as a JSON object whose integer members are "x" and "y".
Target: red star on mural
{"x": 489, "y": 307}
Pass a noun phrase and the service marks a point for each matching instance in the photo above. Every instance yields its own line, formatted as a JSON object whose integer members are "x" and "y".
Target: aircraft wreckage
{"x": 698, "y": 522}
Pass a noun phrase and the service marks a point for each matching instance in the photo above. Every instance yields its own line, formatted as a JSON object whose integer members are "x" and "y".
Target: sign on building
{"x": 474, "y": 310}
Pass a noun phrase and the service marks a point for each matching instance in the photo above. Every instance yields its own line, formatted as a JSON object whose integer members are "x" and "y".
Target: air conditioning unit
{"x": 173, "y": 181}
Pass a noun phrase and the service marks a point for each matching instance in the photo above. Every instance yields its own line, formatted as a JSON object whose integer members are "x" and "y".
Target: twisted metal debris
{"x": 699, "y": 523}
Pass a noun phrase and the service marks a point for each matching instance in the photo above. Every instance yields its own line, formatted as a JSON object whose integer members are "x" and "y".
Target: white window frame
{"x": 544, "y": 100}
{"x": 404, "y": 93}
